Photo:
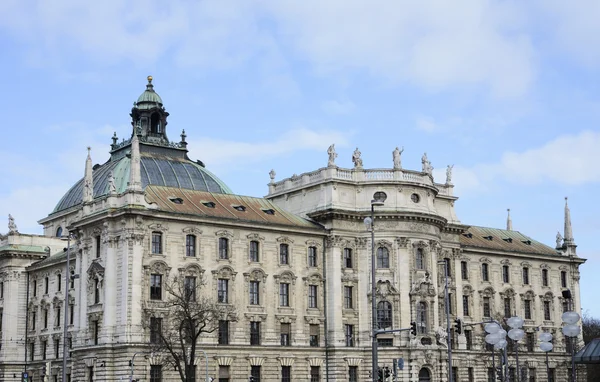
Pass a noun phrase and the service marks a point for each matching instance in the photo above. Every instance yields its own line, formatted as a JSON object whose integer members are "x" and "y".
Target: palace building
{"x": 295, "y": 264}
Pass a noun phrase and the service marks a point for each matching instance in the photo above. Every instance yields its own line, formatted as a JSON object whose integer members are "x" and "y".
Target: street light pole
{"x": 448, "y": 339}
{"x": 66, "y": 304}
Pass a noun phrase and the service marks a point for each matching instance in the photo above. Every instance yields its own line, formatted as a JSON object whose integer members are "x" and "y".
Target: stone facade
{"x": 297, "y": 262}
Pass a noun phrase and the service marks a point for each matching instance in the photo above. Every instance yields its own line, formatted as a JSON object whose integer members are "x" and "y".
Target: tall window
{"x": 46, "y": 284}
{"x": 98, "y": 241}
{"x": 155, "y": 330}
{"x": 223, "y": 374}
{"x": 190, "y": 245}
{"x": 565, "y": 306}
{"x": 285, "y": 334}
{"x": 223, "y": 248}
{"x": 44, "y": 349}
{"x": 284, "y": 255}
{"x": 507, "y": 307}
{"x": 421, "y": 318}
{"x": 155, "y": 373}
{"x": 487, "y": 312}
{"x": 383, "y": 257}
{"x": 530, "y": 341}
{"x": 312, "y": 256}
{"x": 72, "y": 279}
{"x": 347, "y": 258}
{"x": 34, "y": 288}
{"x": 466, "y": 305}
{"x": 254, "y": 251}
{"x": 450, "y": 304}
{"x": 58, "y": 282}
{"x": 189, "y": 285}
{"x": 96, "y": 331}
{"x": 464, "y": 270}
{"x": 96, "y": 291}
{"x": 419, "y": 259}
{"x": 314, "y": 335}
{"x": 284, "y": 294}
{"x": 156, "y": 242}
{"x": 469, "y": 338}
{"x": 56, "y": 319}
{"x": 315, "y": 374}
{"x": 352, "y": 373}
{"x": 223, "y": 291}
{"x": 312, "y": 296}
{"x": 155, "y": 287}
{"x": 348, "y": 302}
{"x": 45, "y": 318}
{"x": 255, "y": 373}
{"x": 447, "y": 269}
{"x": 254, "y": 333}
{"x": 563, "y": 279}
{"x": 384, "y": 315}
{"x": 57, "y": 348}
{"x": 547, "y": 315}
{"x": 505, "y": 274}
{"x": 71, "y": 314}
{"x": 527, "y": 308}
{"x": 286, "y": 374}
{"x": 223, "y": 332}
{"x": 525, "y": 275}
{"x": 544, "y": 277}
{"x": 254, "y": 292}
{"x": 485, "y": 272}
{"x": 31, "y": 351}
{"x": 33, "y": 320}
{"x": 349, "y": 334}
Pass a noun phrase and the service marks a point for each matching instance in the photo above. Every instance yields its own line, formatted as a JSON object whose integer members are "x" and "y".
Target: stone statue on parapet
{"x": 426, "y": 164}
{"x": 356, "y": 159}
{"x": 112, "y": 189}
{"x": 272, "y": 176}
{"x": 12, "y": 227}
{"x": 449, "y": 174}
{"x": 559, "y": 240}
{"x": 332, "y": 155}
{"x": 397, "y": 160}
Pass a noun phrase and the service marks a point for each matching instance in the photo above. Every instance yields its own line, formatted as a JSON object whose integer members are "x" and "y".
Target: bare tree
{"x": 591, "y": 330}
{"x": 178, "y": 321}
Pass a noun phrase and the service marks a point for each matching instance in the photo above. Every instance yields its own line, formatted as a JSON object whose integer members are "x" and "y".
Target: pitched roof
{"x": 503, "y": 240}
{"x": 590, "y": 353}
{"x": 230, "y": 207}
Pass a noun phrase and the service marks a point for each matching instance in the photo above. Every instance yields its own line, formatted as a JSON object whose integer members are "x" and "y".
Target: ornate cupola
{"x": 149, "y": 117}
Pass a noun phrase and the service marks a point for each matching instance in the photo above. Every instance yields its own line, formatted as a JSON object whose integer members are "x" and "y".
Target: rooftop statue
{"x": 426, "y": 164}
{"x": 449, "y": 174}
{"x": 112, "y": 189}
{"x": 12, "y": 227}
{"x": 272, "y": 175}
{"x": 559, "y": 240}
{"x": 332, "y": 155}
{"x": 356, "y": 159}
{"x": 397, "y": 160}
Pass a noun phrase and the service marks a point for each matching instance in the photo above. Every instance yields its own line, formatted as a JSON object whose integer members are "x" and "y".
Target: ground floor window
{"x": 155, "y": 373}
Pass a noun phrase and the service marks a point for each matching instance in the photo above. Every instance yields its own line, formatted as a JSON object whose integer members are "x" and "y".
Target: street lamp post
{"x": 572, "y": 330}
{"x": 546, "y": 346}
{"x": 496, "y": 337}
{"x": 446, "y": 265}
{"x": 516, "y": 334}
{"x": 378, "y": 199}
{"x": 66, "y": 303}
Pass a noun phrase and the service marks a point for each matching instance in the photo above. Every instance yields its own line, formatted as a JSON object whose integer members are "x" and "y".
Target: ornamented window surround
{"x": 286, "y": 276}
{"x": 392, "y": 255}
{"x": 260, "y": 239}
{"x": 256, "y": 274}
{"x": 424, "y": 246}
{"x": 319, "y": 246}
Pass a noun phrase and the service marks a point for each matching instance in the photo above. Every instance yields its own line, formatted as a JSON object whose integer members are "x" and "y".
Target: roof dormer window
{"x": 240, "y": 208}
{"x": 209, "y": 204}
{"x": 269, "y": 211}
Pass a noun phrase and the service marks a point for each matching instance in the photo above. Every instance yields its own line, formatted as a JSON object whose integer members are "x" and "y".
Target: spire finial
{"x": 149, "y": 86}
{"x": 568, "y": 233}
{"x": 508, "y": 221}
{"x": 88, "y": 180}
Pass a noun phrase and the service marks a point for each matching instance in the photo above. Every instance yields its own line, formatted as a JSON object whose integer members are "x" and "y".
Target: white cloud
{"x": 426, "y": 124}
{"x": 338, "y": 106}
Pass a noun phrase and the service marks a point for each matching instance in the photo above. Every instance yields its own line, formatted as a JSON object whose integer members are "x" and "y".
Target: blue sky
{"x": 507, "y": 91}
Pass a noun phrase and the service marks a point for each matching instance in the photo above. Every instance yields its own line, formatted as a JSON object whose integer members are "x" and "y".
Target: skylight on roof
{"x": 209, "y": 204}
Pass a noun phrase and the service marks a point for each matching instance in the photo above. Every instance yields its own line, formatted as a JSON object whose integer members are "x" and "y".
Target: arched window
{"x": 384, "y": 315}
{"x": 383, "y": 257}
{"x": 155, "y": 127}
{"x": 59, "y": 232}
{"x": 421, "y": 318}
{"x": 420, "y": 259}
{"x": 424, "y": 375}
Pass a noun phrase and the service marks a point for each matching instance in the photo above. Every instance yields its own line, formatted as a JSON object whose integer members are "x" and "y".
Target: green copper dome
{"x": 149, "y": 98}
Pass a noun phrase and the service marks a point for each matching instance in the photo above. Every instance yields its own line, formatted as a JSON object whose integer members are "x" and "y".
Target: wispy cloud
{"x": 338, "y": 106}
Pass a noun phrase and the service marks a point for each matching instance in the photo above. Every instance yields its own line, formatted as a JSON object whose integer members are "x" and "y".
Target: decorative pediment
{"x": 509, "y": 292}
{"x": 285, "y": 318}
{"x": 402, "y": 241}
{"x": 255, "y": 317}
{"x": 95, "y": 269}
{"x": 255, "y": 236}
{"x": 285, "y": 277}
{"x": 192, "y": 231}
{"x": 313, "y": 243}
{"x": 255, "y": 274}
{"x": 563, "y": 268}
{"x": 285, "y": 240}
{"x": 525, "y": 264}
{"x": 159, "y": 266}
{"x": 313, "y": 279}
{"x": 485, "y": 260}
{"x": 487, "y": 292}
{"x": 160, "y": 227}
{"x": 385, "y": 288}
{"x": 225, "y": 272}
{"x": 191, "y": 270}
{"x": 256, "y": 361}
{"x": 467, "y": 290}
{"x": 420, "y": 244}
{"x": 224, "y": 233}
{"x": 544, "y": 266}
{"x": 505, "y": 262}
{"x": 384, "y": 243}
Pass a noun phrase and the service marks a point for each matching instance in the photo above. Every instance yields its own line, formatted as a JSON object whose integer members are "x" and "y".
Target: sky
{"x": 506, "y": 91}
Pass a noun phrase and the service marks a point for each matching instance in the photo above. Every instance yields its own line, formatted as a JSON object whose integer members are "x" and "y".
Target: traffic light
{"x": 413, "y": 328}
{"x": 380, "y": 375}
{"x": 386, "y": 373}
{"x": 499, "y": 373}
{"x": 458, "y": 325}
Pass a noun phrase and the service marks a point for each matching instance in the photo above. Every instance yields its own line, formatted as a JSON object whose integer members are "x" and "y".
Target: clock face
{"x": 415, "y": 198}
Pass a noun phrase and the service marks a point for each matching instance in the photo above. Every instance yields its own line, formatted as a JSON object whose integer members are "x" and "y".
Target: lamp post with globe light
{"x": 546, "y": 346}
{"x": 572, "y": 330}
{"x": 497, "y": 337}
{"x": 516, "y": 334}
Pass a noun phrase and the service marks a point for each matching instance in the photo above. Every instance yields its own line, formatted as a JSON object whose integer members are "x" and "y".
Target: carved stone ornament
{"x": 158, "y": 227}
{"x": 385, "y": 289}
{"x": 285, "y": 240}
{"x": 402, "y": 242}
{"x": 192, "y": 230}
{"x": 418, "y": 227}
{"x": 255, "y": 236}
{"x": 224, "y": 233}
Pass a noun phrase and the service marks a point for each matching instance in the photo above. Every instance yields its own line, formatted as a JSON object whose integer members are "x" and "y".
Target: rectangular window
{"x": 284, "y": 294}
{"x": 419, "y": 259}
{"x": 254, "y": 292}
{"x": 348, "y": 303}
{"x": 155, "y": 373}
{"x": 544, "y": 277}
{"x": 31, "y": 351}
{"x": 505, "y": 274}
{"x": 33, "y": 320}
{"x": 284, "y": 255}
{"x": 491, "y": 375}
{"x": 551, "y": 375}
{"x": 96, "y": 291}
{"x": 527, "y": 308}
{"x": 312, "y": 296}
{"x": 450, "y": 303}
{"x": 71, "y": 314}
{"x": 72, "y": 278}
{"x": 487, "y": 311}
{"x": 254, "y": 251}
{"x": 565, "y": 306}
{"x": 222, "y": 291}
{"x": 466, "y": 306}
{"x": 189, "y": 286}
{"x": 563, "y": 279}
{"x": 155, "y": 287}
{"x": 385, "y": 342}
{"x": 255, "y": 373}
{"x": 464, "y": 270}
{"x": 526, "y": 276}
{"x": 312, "y": 256}
{"x": 530, "y": 341}
{"x": 98, "y": 246}
{"x": 46, "y": 285}
{"x": 469, "y": 338}
{"x": 254, "y": 333}
{"x": 34, "y": 287}
{"x": 2, "y": 289}
{"x": 485, "y": 272}
{"x": 547, "y": 315}
{"x": 471, "y": 375}
{"x": 223, "y": 332}
{"x": 455, "y": 373}
{"x": 349, "y": 333}
{"x": 57, "y": 317}
{"x": 352, "y": 373}
{"x": 57, "y": 348}
{"x": 531, "y": 374}
{"x": 314, "y": 335}
{"x": 90, "y": 373}
{"x": 223, "y": 248}
{"x": 223, "y": 374}
{"x": 286, "y": 374}
{"x": 190, "y": 246}
{"x": 45, "y": 318}
{"x": 44, "y": 348}
{"x": 58, "y": 282}
{"x": 156, "y": 243}
{"x": 96, "y": 328}
{"x": 285, "y": 334}
{"x": 347, "y": 258}
{"x": 315, "y": 374}
{"x": 507, "y": 307}
{"x": 155, "y": 330}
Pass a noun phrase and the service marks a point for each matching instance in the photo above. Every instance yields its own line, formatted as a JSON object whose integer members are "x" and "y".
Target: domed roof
{"x": 156, "y": 170}
{"x": 149, "y": 98}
